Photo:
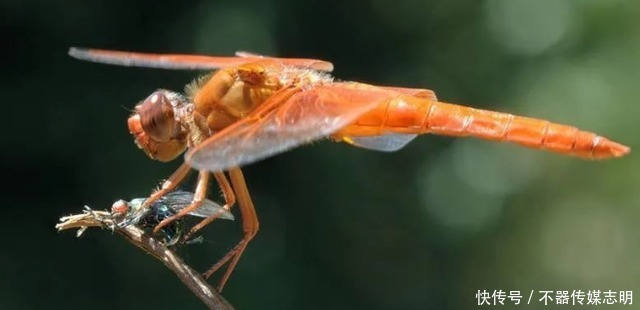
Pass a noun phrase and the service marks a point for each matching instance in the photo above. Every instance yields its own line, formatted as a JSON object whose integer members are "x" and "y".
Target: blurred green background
{"x": 341, "y": 228}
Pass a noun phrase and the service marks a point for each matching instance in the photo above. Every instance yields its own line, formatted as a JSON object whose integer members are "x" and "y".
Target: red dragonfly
{"x": 254, "y": 107}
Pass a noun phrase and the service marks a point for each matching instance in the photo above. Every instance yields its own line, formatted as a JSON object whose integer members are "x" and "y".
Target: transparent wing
{"x": 185, "y": 61}
{"x": 179, "y": 200}
{"x": 246, "y": 54}
{"x": 306, "y": 116}
{"x": 386, "y": 143}
{"x": 417, "y": 92}
{"x": 326, "y": 66}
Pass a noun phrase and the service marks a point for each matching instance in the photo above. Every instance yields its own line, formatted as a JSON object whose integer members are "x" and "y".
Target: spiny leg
{"x": 168, "y": 185}
{"x": 223, "y": 261}
{"x": 250, "y": 226}
{"x": 229, "y": 198}
{"x": 198, "y": 198}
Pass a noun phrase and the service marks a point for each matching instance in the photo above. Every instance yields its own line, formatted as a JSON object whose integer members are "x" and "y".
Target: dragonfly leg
{"x": 176, "y": 178}
{"x": 229, "y": 199}
{"x": 223, "y": 261}
{"x": 198, "y": 198}
{"x": 250, "y": 227}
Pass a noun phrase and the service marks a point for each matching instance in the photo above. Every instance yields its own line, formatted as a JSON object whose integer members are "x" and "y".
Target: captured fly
{"x": 165, "y": 207}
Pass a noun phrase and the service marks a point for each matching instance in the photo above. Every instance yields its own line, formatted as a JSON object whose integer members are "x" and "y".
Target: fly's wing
{"x": 185, "y": 61}
{"x": 307, "y": 115}
{"x": 178, "y": 200}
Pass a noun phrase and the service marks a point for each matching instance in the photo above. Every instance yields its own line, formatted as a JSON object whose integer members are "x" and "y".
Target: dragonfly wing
{"x": 306, "y": 116}
{"x": 321, "y": 65}
{"x": 246, "y": 54}
{"x": 184, "y": 61}
{"x": 385, "y": 143}
{"x": 416, "y": 92}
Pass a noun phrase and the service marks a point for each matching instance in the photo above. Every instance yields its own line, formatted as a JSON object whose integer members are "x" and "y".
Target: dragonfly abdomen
{"x": 407, "y": 114}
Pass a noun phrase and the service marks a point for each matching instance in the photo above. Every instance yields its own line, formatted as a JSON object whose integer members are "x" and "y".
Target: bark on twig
{"x": 157, "y": 249}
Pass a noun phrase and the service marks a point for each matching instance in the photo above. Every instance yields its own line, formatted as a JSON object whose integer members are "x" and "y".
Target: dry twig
{"x": 157, "y": 249}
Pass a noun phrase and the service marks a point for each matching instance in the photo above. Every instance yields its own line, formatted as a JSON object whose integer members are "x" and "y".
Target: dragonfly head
{"x": 156, "y": 127}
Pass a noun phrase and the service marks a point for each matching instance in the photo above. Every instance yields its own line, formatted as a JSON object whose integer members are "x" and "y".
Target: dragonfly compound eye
{"x": 155, "y": 128}
{"x": 156, "y": 117}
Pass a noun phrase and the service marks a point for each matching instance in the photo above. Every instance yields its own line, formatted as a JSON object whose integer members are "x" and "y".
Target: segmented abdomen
{"x": 408, "y": 114}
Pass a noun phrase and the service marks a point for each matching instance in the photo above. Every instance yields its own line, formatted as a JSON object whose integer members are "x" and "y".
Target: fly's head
{"x": 157, "y": 125}
{"x": 120, "y": 208}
